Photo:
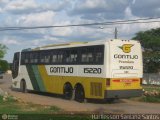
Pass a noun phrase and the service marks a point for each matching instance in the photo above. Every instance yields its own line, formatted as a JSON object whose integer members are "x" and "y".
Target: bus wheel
{"x": 23, "y": 86}
{"x": 67, "y": 91}
{"x": 79, "y": 94}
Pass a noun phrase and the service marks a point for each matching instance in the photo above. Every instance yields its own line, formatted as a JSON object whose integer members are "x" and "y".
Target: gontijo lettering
{"x": 61, "y": 69}
{"x": 119, "y": 56}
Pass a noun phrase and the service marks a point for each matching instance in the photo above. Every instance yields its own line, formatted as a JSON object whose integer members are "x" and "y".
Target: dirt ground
{"x": 119, "y": 106}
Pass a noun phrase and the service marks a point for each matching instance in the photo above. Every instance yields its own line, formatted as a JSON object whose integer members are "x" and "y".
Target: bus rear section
{"x": 125, "y": 69}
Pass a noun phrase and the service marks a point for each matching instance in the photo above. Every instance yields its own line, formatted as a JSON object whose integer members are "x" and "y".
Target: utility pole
{"x": 115, "y": 33}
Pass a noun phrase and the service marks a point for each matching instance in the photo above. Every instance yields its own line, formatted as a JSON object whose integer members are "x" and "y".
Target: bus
{"x": 106, "y": 69}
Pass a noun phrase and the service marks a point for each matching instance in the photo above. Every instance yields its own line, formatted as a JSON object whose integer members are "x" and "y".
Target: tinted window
{"x": 77, "y": 55}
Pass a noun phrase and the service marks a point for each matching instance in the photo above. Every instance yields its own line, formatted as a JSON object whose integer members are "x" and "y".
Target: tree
{"x": 149, "y": 39}
{"x": 3, "y": 50}
{"x": 151, "y": 62}
{"x": 4, "y": 66}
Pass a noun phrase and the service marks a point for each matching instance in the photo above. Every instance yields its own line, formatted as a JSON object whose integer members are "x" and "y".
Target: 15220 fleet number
{"x": 93, "y": 70}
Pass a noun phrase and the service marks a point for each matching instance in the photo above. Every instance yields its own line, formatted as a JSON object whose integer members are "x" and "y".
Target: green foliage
{"x": 3, "y": 50}
{"x": 30, "y": 111}
{"x": 53, "y": 117}
{"x": 151, "y": 88}
{"x": 4, "y": 66}
{"x": 152, "y": 99}
{"x": 149, "y": 39}
{"x": 12, "y": 106}
{"x": 151, "y": 62}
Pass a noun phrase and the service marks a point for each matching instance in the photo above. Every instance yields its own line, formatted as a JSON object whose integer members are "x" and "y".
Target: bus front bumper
{"x": 123, "y": 93}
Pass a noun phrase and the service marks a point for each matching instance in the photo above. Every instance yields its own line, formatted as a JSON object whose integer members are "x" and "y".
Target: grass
{"x": 30, "y": 111}
{"x": 54, "y": 117}
{"x": 149, "y": 98}
{"x": 151, "y": 88}
{"x": 152, "y": 99}
{"x": 11, "y": 106}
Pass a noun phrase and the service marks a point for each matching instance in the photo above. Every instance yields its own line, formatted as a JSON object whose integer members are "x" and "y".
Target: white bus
{"x": 93, "y": 70}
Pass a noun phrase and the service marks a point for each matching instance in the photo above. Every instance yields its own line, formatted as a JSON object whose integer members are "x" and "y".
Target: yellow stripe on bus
{"x": 54, "y": 84}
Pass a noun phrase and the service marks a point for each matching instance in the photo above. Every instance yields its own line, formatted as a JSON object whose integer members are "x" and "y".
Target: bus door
{"x": 15, "y": 67}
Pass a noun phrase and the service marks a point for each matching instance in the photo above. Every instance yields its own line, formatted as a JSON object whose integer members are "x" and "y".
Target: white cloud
{"x": 37, "y": 19}
{"x": 62, "y": 31}
{"x": 1, "y": 10}
{"x": 4, "y": 1}
{"x": 133, "y": 2}
{"x": 52, "y": 39}
{"x": 91, "y": 4}
{"x": 8, "y": 41}
{"x": 17, "y": 5}
{"x": 30, "y": 6}
{"x": 95, "y": 9}
{"x": 128, "y": 13}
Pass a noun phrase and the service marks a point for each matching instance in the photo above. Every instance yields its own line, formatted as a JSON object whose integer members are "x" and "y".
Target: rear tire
{"x": 110, "y": 100}
{"x": 23, "y": 87}
{"x": 79, "y": 94}
{"x": 67, "y": 91}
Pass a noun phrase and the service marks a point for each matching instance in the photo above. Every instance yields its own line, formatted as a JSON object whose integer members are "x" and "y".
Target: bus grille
{"x": 96, "y": 89}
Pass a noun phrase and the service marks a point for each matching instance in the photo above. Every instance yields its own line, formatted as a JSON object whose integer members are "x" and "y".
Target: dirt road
{"x": 120, "y": 106}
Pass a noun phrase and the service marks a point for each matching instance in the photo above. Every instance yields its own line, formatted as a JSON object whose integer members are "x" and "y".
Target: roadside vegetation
{"x": 151, "y": 94}
{"x": 10, "y": 105}
{"x": 4, "y": 66}
{"x": 150, "y": 41}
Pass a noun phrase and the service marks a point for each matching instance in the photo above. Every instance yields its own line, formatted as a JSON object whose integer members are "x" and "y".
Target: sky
{"x": 17, "y": 13}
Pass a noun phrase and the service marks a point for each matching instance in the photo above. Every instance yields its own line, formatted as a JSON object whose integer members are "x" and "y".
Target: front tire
{"x": 79, "y": 94}
{"x": 23, "y": 87}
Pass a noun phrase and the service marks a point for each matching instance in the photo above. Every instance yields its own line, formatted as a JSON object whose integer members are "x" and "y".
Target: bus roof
{"x": 75, "y": 44}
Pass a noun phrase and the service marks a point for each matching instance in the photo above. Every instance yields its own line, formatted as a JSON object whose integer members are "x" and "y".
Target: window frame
{"x": 62, "y": 51}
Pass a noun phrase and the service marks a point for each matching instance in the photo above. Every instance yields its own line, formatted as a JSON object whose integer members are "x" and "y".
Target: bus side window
{"x": 47, "y": 57}
{"x": 84, "y": 57}
{"x": 98, "y": 57}
{"x": 71, "y": 56}
{"x": 31, "y": 57}
{"x": 87, "y": 56}
{"x": 90, "y": 57}
{"x": 41, "y": 57}
{"x": 60, "y": 58}
{"x": 22, "y": 58}
{"x": 54, "y": 58}
{"x": 26, "y": 58}
{"x": 99, "y": 54}
{"x": 36, "y": 57}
